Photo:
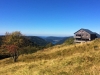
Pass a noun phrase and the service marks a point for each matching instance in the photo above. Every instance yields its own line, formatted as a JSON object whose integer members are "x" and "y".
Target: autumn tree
{"x": 12, "y": 42}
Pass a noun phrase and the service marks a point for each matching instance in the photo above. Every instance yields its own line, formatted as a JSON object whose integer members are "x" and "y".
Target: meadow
{"x": 76, "y": 59}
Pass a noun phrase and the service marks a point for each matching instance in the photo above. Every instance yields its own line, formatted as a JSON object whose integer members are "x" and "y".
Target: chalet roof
{"x": 87, "y": 30}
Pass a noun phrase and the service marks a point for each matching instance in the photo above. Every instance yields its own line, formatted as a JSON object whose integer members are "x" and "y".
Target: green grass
{"x": 76, "y": 59}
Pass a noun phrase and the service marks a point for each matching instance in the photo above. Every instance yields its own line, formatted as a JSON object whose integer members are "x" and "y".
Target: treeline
{"x": 15, "y": 43}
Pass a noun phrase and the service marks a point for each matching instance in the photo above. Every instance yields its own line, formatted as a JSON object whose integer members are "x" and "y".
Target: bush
{"x": 69, "y": 41}
{"x": 28, "y": 50}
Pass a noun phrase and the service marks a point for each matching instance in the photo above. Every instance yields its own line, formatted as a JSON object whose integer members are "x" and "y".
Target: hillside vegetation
{"x": 76, "y": 59}
{"x": 26, "y": 44}
{"x": 37, "y": 40}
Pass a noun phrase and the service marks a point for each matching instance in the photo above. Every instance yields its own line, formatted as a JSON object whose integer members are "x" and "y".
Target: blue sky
{"x": 49, "y": 17}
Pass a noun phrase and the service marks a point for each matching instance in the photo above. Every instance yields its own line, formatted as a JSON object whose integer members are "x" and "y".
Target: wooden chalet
{"x": 84, "y": 35}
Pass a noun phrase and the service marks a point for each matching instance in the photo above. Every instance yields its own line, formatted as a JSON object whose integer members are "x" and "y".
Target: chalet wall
{"x": 83, "y": 34}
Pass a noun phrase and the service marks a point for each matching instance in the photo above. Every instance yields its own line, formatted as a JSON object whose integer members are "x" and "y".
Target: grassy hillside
{"x": 77, "y": 59}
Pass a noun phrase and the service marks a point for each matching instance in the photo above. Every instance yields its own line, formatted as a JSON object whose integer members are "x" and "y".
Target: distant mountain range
{"x": 38, "y": 40}
{"x": 43, "y": 41}
{"x": 63, "y": 40}
{"x": 33, "y": 40}
{"x": 56, "y": 40}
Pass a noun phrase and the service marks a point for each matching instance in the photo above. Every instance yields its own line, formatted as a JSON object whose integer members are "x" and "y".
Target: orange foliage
{"x": 12, "y": 48}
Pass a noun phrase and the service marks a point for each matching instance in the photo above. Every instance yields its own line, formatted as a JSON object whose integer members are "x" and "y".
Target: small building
{"x": 84, "y": 35}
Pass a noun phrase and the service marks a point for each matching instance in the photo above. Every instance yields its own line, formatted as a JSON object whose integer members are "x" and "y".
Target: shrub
{"x": 69, "y": 41}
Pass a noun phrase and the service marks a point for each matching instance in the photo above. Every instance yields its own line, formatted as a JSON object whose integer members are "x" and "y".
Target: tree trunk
{"x": 15, "y": 56}
{"x": 15, "y": 59}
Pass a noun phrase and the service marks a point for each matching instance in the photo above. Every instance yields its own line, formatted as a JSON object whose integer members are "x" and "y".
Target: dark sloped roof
{"x": 87, "y": 30}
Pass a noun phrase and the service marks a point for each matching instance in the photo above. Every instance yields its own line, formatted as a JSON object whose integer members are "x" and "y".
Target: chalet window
{"x": 78, "y": 35}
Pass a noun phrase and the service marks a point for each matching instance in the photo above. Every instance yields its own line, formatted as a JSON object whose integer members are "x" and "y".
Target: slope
{"x": 77, "y": 59}
{"x": 39, "y": 41}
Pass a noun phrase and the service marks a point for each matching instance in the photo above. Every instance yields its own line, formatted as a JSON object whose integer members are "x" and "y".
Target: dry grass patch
{"x": 77, "y": 59}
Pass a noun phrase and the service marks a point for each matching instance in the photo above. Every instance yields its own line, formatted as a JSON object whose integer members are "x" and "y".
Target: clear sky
{"x": 49, "y": 17}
